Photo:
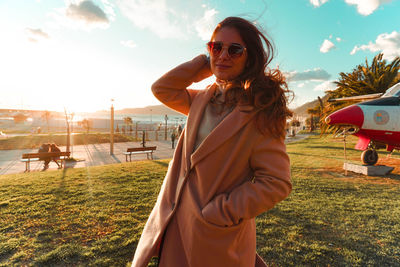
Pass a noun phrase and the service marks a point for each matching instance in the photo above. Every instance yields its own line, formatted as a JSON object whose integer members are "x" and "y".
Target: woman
{"x": 230, "y": 163}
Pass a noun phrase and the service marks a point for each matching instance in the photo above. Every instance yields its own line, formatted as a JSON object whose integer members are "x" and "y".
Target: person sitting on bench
{"x": 55, "y": 148}
{"x": 45, "y": 148}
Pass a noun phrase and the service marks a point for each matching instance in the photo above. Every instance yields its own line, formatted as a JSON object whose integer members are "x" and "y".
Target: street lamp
{"x": 166, "y": 125}
{"x": 112, "y": 129}
{"x": 72, "y": 132}
{"x": 67, "y": 120}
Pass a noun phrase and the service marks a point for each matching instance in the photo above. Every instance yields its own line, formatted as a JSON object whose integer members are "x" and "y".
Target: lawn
{"x": 94, "y": 216}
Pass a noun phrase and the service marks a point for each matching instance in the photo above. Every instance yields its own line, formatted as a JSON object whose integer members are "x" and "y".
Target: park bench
{"x": 140, "y": 150}
{"x": 29, "y": 157}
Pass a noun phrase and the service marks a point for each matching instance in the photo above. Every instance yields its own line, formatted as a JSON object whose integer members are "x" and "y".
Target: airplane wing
{"x": 357, "y": 98}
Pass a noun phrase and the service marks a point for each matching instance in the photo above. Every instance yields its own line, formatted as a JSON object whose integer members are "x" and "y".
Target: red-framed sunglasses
{"x": 235, "y": 50}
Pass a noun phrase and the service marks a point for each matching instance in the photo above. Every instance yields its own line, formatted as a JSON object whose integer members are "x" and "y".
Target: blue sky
{"x": 81, "y": 54}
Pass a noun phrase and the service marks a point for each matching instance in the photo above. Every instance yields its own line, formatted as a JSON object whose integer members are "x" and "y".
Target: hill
{"x": 302, "y": 110}
{"x": 155, "y": 110}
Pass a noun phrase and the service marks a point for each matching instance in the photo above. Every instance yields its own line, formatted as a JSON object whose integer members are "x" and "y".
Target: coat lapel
{"x": 230, "y": 125}
{"x": 194, "y": 118}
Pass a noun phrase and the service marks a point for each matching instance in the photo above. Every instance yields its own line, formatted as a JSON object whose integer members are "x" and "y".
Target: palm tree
{"x": 368, "y": 79}
{"x": 128, "y": 121}
{"x": 313, "y": 111}
{"x": 376, "y": 78}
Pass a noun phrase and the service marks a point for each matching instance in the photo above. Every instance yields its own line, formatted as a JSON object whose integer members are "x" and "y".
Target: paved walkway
{"x": 88, "y": 155}
{"x": 92, "y": 155}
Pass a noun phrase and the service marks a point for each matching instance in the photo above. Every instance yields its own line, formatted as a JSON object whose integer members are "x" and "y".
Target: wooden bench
{"x": 140, "y": 150}
{"x": 29, "y": 157}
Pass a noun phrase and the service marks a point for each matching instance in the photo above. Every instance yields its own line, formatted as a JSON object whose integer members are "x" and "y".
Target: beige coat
{"x": 215, "y": 192}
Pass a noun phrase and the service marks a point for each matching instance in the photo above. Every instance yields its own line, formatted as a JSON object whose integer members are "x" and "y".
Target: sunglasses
{"x": 235, "y": 50}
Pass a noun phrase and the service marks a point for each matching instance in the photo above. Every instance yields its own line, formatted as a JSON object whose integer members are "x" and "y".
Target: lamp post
{"x": 166, "y": 126}
{"x": 72, "y": 132}
{"x": 112, "y": 129}
{"x": 68, "y": 130}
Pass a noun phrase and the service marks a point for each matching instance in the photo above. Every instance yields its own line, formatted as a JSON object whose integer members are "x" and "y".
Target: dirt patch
{"x": 392, "y": 162}
{"x": 339, "y": 174}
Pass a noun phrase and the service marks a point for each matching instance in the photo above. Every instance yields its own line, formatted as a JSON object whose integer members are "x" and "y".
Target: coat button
{"x": 173, "y": 206}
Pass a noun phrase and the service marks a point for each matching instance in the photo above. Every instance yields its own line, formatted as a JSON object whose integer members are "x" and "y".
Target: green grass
{"x": 35, "y": 141}
{"x": 83, "y": 217}
{"x": 331, "y": 219}
{"x": 94, "y": 216}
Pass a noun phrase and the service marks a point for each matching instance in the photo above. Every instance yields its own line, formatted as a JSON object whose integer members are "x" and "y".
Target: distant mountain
{"x": 302, "y": 110}
{"x": 155, "y": 110}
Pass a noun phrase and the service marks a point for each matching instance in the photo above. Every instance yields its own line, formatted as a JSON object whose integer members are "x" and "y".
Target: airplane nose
{"x": 352, "y": 115}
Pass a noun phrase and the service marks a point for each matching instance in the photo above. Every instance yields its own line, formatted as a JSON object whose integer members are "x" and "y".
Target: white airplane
{"x": 375, "y": 122}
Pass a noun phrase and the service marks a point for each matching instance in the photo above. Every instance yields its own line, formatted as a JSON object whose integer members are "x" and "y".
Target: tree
{"x": 85, "y": 124}
{"x": 313, "y": 111}
{"x": 315, "y": 114}
{"x": 20, "y": 118}
{"x": 294, "y": 124}
{"x": 128, "y": 121}
{"x": 46, "y": 115}
{"x": 368, "y": 79}
{"x": 364, "y": 79}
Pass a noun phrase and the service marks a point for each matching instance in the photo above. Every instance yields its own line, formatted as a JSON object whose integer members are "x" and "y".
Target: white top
{"x": 213, "y": 114}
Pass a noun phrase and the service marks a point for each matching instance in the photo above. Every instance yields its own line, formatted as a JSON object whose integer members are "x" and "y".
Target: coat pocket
{"x": 215, "y": 214}
{"x": 211, "y": 217}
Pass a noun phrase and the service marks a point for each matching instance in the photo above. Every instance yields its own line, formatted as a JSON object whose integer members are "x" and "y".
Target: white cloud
{"x": 317, "y": 74}
{"x": 82, "y": 15}
{"x": 129, "y": 43}
{"x": 366, "y": 7}
{"x": 206, "y": 24}
{"x": 388, "y": 43}
{"x": 318, "y": 3}
{"x": 300, "y": 85}
{"x": 338, "y": 39}
{"x": 168, "y": 19}
{"x": 154, "y": 15}
{"x": 87, "y": 12}
{"x": 325, "y": 86}
{"x": 36, "y": 35}
{"x": 109, "y": 9}
{"x": 326, "y": 46}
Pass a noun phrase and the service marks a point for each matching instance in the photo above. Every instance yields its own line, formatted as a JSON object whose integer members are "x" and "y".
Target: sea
{"x": 144, "y": 118}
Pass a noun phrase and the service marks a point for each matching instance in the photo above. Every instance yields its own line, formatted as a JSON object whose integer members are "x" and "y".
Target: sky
{"x": 82, "y": 54}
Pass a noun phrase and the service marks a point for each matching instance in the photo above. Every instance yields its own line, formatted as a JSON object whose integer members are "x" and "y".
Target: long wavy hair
{"x": 263, "y": 88}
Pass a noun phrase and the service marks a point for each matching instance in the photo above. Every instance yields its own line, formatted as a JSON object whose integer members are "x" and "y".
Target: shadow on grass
{"x": 314, "y": 155}
{"x": 393, "y": 176}
{"x": 115, "y": 158}
{"x": 303, "y": 242}
{"x": 332, "y": 147}
{"x": 161, "y": 163}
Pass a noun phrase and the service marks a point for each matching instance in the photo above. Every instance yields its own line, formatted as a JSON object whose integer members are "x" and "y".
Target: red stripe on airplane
{"x": 352, "y": 115}
{"x": 392, "y": 139}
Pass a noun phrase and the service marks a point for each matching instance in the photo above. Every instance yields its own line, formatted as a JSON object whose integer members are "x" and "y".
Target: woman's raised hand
{"x": 204, "y": 72}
